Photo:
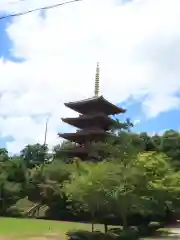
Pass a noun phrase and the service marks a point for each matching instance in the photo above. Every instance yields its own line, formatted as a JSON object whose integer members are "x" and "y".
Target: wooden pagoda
{"x": 93, "y": 122}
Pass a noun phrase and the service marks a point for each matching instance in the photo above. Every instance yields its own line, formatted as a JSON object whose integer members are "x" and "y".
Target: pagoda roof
{"x": 86, "y": 121}
{"x": 99, "y": 104}
{"x": 83, "y": 136}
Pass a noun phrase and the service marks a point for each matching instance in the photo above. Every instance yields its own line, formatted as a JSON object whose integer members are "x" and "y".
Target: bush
{"x": 131, "y": 233}
{"x": 86, "y": 235}
{"x": 13, "y": 212}
{"x": 149, "y": 230}
{"x": 82, "y": 235}
{"x": 112, "y": 234}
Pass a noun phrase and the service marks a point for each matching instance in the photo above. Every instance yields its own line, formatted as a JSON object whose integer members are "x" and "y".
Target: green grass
{"x": 20, "y": 228}
{"x": 31, "y": 229}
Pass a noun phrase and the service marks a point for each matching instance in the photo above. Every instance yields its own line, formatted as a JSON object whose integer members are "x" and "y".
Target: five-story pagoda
{"x": 93, "y": 122}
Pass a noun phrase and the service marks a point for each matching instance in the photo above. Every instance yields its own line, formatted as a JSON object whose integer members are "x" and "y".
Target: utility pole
{"x": 46, "y": 129}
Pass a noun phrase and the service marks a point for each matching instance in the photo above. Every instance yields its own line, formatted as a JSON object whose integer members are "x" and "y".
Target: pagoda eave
{"x": 98, "y": 103}
{"x": 84, "y": 136}
{"x": 85, "y": 121}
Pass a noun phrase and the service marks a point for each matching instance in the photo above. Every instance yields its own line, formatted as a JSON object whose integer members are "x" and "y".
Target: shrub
{"x": 150, "y": 229}
{"x": 113, "y": 234}
{"x": 86, "y": 235}
{"x": 14, "y": 212}
{"x": 131, "y": 233}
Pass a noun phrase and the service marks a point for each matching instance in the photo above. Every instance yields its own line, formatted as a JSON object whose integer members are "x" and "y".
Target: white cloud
{"x": 137, "y": 45}
{"x": 136, "y": 122}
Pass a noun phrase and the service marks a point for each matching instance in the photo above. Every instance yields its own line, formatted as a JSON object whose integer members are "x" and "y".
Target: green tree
{"x": 84, "y": 187}
{"x": 3, "y": 155}
{"x": 149, "y": 144}
{"x": 121, "y": 143}
{"x": 170, "y": 145}
{"x": 35, "y": 154}
{"x": 13, "y": 184}
{"x": 57, "y": 150}
{"x": 45, "y": 186}
{"x": 146, "y": 185}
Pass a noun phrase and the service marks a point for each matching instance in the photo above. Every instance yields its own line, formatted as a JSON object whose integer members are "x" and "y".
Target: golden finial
{"x": 96, "y": 89}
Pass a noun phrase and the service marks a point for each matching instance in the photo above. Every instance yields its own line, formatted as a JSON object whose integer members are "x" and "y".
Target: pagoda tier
{"x": 99, "y": 120}
{"x": 95, "y": 105}
{"x": 85, "y": 136}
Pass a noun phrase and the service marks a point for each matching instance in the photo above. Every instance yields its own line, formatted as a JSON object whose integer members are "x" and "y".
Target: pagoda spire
{"x": 96, "y": 89}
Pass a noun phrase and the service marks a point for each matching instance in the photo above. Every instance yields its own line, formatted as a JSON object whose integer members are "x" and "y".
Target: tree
{"x": 118, "y": 127}
{"x": 13, "y": 184}
{"x": 45, "y": 186}
{"x": 158, "y": 186}
{"x": 84, "y": 187}
{"x": 121, "y": 143}
{"x": 170, "y": 145}
{"x": 3, "y": 155}
{"x": 145, "y": 186}
{"x": 63, "y": 146}
{"x": 149, "y": 144}
{"x": 34, "y": 154}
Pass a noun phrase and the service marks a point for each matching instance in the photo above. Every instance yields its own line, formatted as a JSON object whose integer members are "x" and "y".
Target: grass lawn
{"x": 32, "y": 229}
{"x": 28, "y": 229}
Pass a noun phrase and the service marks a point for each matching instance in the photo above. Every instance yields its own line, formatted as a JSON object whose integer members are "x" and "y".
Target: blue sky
{"x": 134, "y": 62}
{"x": 164, "y": 121}
{"x": 5, "y": 42}
{"x": 5, "y": 53}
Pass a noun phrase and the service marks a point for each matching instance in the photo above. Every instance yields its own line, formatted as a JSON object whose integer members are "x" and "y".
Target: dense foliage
{"x": 136, "y": 181}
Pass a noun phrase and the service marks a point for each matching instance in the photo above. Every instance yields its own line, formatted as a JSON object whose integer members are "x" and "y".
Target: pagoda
{"x": 93, "y": 122}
